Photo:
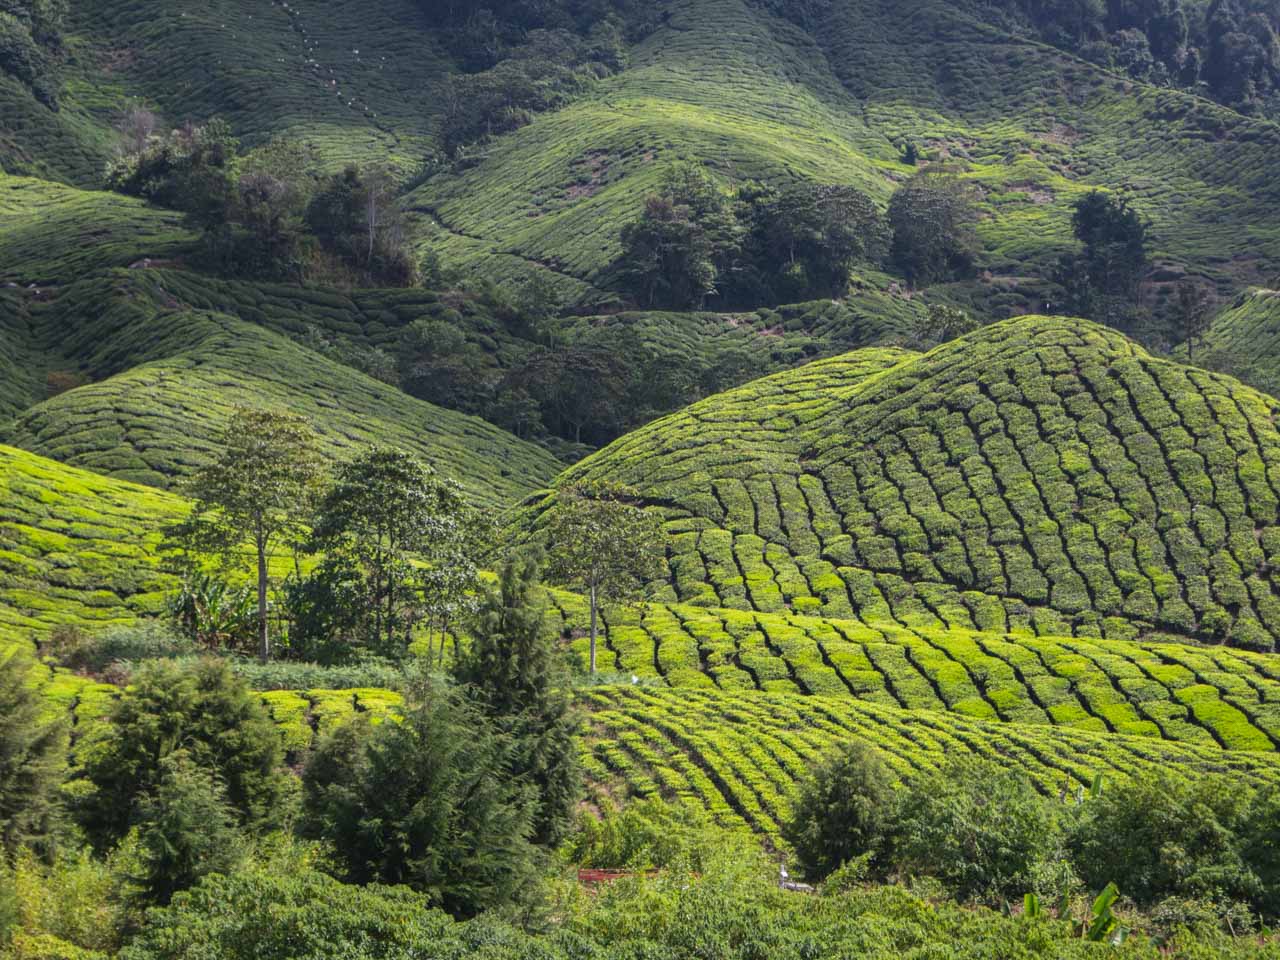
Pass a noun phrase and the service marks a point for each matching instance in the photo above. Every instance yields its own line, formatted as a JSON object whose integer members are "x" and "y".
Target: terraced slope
{"x": 1042, "y": 473}
{"x": 753, "y": 97}
{"x": 50, "y": 233}
{"x": 1172, "y": 692}
{"x": 1244, "y": 340}
{"x": 359, "y": 82}
{"x": 77, "y": 548}
{"x": 739, "y": 754}
{"x": 166, "y": 378}
{"x": 20, "y": 367}
{"x": 722, "y": 81}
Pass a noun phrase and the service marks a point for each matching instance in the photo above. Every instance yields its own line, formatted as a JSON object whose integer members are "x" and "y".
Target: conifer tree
{"x": 515, "y": 675}
{"x": 32, "y": 758}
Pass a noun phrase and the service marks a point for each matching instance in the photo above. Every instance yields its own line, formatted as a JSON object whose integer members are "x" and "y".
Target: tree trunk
{"x": 593, "y": 628}
{"x": 264, "y": 638}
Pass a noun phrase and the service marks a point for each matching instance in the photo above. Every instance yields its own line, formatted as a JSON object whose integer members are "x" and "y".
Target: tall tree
{"x": 599, "y": 540}
{"x": 513, "y": 670}
{"x": 1115, "y": 242}
{"x": 385, "y": 515}
{"x": 32, "y": 757}
{"x": 1193, "y": 313}
{"x": 257, "y": 491}
{"x": 186, "y": 830}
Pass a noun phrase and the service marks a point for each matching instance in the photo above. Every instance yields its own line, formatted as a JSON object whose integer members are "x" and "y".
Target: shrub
{"x": 186, "y": 830}
{"x": 202, "y": 709}
{"x": 93, "y": 653}
{"x": 266, "y": 915}
{"x": 1159, "y": 837}
{"x": 425, "y": 802}
{"x": 646, "y": 834}
{"x": 982, "y": 830}
{"x": 841, "y": 810}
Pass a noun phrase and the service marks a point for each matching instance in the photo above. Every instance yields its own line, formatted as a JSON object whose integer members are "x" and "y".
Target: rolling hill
{"x": 160, "y": 379}
{"x": 1040, "y": 474}
{"x": 1244, "y": 339}
{"x": 1039, "y": 543}
{"x": 835, "y": 102}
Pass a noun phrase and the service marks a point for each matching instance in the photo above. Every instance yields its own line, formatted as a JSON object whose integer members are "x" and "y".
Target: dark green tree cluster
{"x": 461, "y": 798}
{"x": 32, "y": 759}
{"x": 1191, "y": 846}
{"x": 481, "y": 36}
{"x": 189, "y": 759}
{"x": 518, "y": 679}
{"x": 696, "y": 241}
{"x": 269, "y": 213}
{"x": 1102, "y": 280}
{"x": 1227, "y": 49}
{"x": 31, "y": 45}
{"x": 547, "y": 70}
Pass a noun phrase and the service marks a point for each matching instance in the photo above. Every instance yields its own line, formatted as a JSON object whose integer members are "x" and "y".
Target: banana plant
{"x": 213, "y": 613}
{"x": 1102, "y": 925}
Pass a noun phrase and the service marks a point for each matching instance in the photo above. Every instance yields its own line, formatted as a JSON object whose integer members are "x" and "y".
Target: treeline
{"x": 1225, "y": 49}
{"x": 698, "y": 242}
{"x": 385, "y": 553}
{"x": 31, "y": 45}
{"x": 269, "y": 213}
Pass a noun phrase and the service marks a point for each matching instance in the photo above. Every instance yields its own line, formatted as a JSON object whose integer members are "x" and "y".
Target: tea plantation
{"x": 835, "y": 102}
{"x": 161, "y": 377}
{"x": 1041, "y": 475}
{"x": 1244, "y": 340}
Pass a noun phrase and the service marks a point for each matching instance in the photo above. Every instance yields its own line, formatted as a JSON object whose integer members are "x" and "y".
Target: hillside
{"x": 161, "y": 377}
{"x": 835, "y": 102}
{"x": 961, "y": 575}
{"x": 77, "y": 548}
{"x": 272, "y": 69}
{"x": 1040, "y": 474}
{"x": 1244, "y": 340}
{"x": 50, "y": 233}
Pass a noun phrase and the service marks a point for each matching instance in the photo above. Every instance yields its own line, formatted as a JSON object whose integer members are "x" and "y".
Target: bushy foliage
{"x": 1158, "y": 837}
{"x": 261, "y": 914}
{"x": 255, "y": 495}
{"x": 981, "y": 829}
{"x": 842, "y": 810}
{"x": 186, "y": 830}
{"x": 932, "y": 217}
{"x": 648, "y": 834}
{"x": 31, "y": 45}
{"x": 385, "y": 513}
{"x": 816, "y": 234}
{"x": 201, "y": 709}
{"x": 697, "y": 240}
{"x": 1226, "y": 48}
{"x": 427, "y": 802}
{"x": 32, "y": 758}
